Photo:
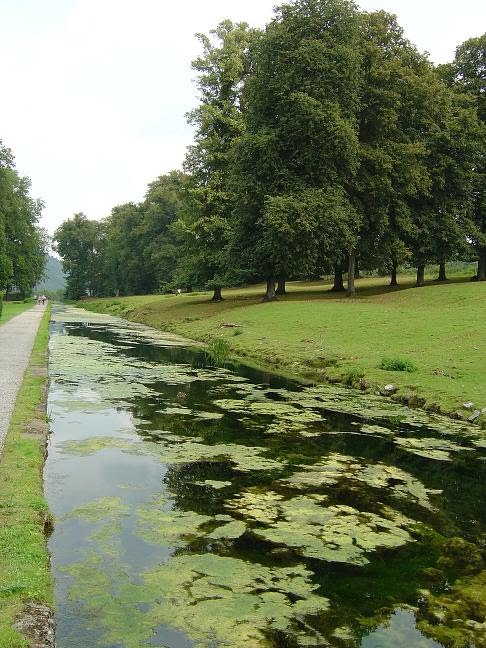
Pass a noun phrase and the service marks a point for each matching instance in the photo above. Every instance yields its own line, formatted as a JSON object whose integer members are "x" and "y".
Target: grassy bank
{"x": 11, "y": 309}
{"x": 437, "y": 332}
{"x": 24, "y": 562}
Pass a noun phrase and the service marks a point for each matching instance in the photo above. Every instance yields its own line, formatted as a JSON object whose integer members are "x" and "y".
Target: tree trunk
{"x": 217, "y": 296}
{"x": 270, "y": 293}
{"x": 420, "y": 276}
{"x": 338, "y": 279}
{"x": 188, "y": 289}
{"x": 351, "y": 269}
{"x": 393, "y": 276}
{"x": 442, "y": 272}
{"x": 482, "y": 264}
{"x": 280, "y": 286}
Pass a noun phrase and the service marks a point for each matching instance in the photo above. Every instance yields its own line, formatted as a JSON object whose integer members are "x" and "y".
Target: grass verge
{"x": 320, "y": 336}
{"x": 24, "y": 561}
{"x": 11, "y": 309}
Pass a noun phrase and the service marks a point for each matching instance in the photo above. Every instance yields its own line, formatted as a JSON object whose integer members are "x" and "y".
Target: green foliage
{"x": 218, "y": 351}
{"x": 397, "y": 364}
{"x": 204, "y": 228}
{"x": 325, "y": 139}
{"x": 299, "y": 147}
{"x": 23, "y": 243}
{"x": 79, "y": 242}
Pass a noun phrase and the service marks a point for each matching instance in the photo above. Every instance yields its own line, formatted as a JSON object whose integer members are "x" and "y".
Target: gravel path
{"x": 16, "y": 342}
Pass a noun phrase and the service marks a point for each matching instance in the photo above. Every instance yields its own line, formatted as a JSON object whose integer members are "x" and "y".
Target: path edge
{"x": 26, "y": 593}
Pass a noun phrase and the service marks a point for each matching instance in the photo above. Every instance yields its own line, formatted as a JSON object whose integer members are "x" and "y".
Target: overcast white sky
{"x": 94, "y": 92}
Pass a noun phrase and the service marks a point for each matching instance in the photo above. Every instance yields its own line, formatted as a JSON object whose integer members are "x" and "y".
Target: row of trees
{"x": 324, "y": 141}
{"x": 22, "y": 242}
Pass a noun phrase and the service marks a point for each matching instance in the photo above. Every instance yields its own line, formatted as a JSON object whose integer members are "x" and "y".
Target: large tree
{"x": 22, "y": 243}
{"x": 79, "y": 242}
{"x": 141, "y": 250}
{"x": 469, "y": 74}
{"x": 302, "y": 99}
{"x": 204, "y": 228}
{"x": 391, "y": 152}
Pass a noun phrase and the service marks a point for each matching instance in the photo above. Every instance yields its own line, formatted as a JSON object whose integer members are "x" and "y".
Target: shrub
{"x": 397, "y": 364}
{"x": 218, "y": 352}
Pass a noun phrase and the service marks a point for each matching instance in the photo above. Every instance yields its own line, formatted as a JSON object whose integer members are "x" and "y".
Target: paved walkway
{"x": 16, "y": 342}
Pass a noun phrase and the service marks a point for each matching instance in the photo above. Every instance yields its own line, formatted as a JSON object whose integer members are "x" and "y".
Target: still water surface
{"x": 209, "y": 507}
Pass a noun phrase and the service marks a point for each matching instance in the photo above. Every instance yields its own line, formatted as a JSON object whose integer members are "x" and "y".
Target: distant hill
{"x": 54, "y": 278}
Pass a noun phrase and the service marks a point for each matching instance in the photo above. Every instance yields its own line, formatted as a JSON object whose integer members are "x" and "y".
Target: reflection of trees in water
{"x": 181, "y": 480}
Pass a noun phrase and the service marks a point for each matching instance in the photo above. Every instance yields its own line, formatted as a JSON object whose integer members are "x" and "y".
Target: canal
{"x": 226, "y": 507}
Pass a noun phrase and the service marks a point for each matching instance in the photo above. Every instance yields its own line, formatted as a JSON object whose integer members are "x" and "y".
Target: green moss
{"x": 456, "y": 618}
{"x": 229, "y": 531}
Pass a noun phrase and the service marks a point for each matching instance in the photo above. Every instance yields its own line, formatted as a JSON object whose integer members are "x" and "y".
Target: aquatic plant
{"x": 337, "y": 468}
{"x": 249, "y": 600}
{"x": 456, "y": 617}
{"x": 331, "y": 533}
{"x": 431, "y": 448}
{"x": 218, "y": 351}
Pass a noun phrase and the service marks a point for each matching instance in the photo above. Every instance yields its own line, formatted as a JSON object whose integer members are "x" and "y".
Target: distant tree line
{"x": 324, "y": 144}
{"x": 23, "y": 243}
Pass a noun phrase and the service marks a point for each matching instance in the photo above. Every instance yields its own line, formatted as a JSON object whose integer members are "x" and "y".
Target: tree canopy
{"x": 23, "y": 244}
{"x": 323, "y": 142}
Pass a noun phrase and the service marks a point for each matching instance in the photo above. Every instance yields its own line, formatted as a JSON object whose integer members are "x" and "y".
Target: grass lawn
{"x": 24, "y": 562}
{"x": 11, "y": 309}
{"x": 317, "y": 335}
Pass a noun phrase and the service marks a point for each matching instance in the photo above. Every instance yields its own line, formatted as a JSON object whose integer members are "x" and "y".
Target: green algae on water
{"x": 337, "y": 533}
{"x": 249, "y": 600}
{"x": 431, "y": 448}
{"x": 337, "y": 468}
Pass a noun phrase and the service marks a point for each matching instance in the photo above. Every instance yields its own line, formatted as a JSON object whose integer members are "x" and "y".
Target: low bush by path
{"x": 436, "y": 333}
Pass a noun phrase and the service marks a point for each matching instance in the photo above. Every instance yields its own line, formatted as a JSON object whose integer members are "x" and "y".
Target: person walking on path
{"x": 16, "y": 341}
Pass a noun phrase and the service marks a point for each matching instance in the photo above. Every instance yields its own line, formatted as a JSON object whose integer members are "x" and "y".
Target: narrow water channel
{"x": 209, "y": 507}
